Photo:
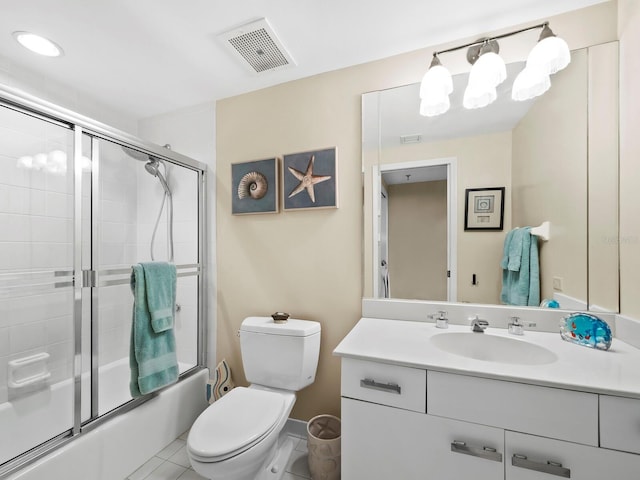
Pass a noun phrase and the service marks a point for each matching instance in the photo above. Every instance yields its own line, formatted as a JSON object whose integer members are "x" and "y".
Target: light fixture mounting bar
{"x": 488, "y": 39}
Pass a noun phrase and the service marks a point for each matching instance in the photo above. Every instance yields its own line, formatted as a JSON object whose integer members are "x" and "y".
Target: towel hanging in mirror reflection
{"x": 384, "y": 272}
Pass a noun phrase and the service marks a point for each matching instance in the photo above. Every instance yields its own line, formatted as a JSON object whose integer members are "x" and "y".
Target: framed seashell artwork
{"x": 254, "y": 187}
{"x": 310, "y": 180}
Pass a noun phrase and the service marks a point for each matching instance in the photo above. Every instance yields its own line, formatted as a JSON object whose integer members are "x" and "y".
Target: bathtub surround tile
{"x": 59, "y": 205}
{"x": 4, "y": 338}
{"x": 28, "y": 336}
{"x": 14, "y": 255}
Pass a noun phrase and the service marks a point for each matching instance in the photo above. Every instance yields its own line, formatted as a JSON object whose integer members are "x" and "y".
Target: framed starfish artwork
{"x": 310, "y": 180}
{"x": 254, "y": 187}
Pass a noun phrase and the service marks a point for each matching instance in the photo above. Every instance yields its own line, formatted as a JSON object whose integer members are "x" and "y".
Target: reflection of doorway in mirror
{"x": 415, "y": 232}
{"x": 418, "y": 239}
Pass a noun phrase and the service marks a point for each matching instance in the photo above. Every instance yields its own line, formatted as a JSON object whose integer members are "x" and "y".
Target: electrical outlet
{"x": 557, "y": 283}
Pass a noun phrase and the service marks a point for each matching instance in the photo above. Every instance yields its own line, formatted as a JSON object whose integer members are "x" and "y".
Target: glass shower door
{"x": 37, "y": 339}
{"x": 137, "y": 217}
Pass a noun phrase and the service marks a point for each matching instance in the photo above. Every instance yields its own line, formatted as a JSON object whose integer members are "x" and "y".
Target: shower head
{"x": 153, "y": 167}
{"x": 143, "y": 157}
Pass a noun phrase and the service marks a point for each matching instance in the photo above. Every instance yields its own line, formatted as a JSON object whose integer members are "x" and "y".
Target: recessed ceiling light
{"x": 38, "y": 44}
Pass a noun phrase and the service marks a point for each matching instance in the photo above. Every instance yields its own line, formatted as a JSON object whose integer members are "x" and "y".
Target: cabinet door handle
{"x": 552, "y": 468}
{"x": 385, "y": 387}
{"x": 487, "y": 453}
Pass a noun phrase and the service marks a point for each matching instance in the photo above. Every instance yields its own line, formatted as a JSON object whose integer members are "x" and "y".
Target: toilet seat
{"x": 234, "y": 423}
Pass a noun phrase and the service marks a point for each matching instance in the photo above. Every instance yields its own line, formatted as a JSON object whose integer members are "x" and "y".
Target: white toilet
{"x": 239, "y": 437}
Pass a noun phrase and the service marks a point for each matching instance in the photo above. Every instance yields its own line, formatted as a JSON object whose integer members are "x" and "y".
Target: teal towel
{"x": 152, "y": 356}
{"x": 504, "y": 263}
{"x": 160, "y": 280}
{"x": 520, "y": 269}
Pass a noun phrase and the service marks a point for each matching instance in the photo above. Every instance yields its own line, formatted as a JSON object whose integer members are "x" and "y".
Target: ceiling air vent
{"x": 258, "y": 47}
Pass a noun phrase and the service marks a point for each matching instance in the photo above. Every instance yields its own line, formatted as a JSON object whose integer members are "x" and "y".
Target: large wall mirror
{"x": 555, "y": 156}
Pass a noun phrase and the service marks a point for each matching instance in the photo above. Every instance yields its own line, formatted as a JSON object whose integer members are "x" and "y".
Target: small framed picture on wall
{"x": 484, "y": 208}
{"x": 254, "y": 187}
{"x": 310, "y": 180}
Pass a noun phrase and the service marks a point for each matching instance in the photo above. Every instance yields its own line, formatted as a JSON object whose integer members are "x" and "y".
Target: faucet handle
{"x": 515, "y": 327}
{"x": 441, "y": 320}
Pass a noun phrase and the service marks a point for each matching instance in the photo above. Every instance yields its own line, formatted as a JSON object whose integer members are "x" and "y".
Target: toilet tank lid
{"x": 293, "y": 327}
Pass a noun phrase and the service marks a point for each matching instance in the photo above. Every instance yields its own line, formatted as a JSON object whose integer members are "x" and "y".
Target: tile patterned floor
{"x": 172, "y": 463}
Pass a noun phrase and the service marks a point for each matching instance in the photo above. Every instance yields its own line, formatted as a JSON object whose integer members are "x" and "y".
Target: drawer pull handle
{"x": 487, "y": 453}
{"x": 552, "y": 468}
{"x": 385, "y": 387}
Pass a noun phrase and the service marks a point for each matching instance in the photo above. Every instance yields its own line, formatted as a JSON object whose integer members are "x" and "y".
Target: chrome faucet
{"x": 478, "y": 325}
{"x": 440, "y": 318}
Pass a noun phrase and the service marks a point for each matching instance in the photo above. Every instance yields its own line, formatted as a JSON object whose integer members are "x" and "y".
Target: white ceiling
{"x": 146, "y": 57}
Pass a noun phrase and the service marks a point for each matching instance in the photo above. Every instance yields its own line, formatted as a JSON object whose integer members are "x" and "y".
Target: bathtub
{"x": 115, "y": 448}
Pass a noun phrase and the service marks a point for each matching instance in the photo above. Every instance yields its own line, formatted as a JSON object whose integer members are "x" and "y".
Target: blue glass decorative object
{"x": 550, "y": 303}
{"x": 586, "y": 329}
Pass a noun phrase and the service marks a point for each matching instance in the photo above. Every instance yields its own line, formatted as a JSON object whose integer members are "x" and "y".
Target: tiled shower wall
{"x": 36, "y": 228}
{"x": 36, "y": 234}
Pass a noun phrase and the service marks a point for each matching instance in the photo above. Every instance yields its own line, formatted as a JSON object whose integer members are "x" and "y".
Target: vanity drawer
{"x": 551, "y": 412}
{"x": 392, "y": 385}
{"x": 529, "y": 457}
{"x": 620, "y": 423}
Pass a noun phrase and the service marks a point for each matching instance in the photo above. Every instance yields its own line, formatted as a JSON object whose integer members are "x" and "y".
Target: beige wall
{"x": 629, "y": 31}
{"x": 310, "y": 263}
{"x": 418, "y": 240}
{"x": 550, "y": 177}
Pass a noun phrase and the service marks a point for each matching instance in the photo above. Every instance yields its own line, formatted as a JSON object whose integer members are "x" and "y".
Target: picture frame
{"x": 310, "y": 180}
{"x": 254, "y": 187}
{"x": 484, "y": 208}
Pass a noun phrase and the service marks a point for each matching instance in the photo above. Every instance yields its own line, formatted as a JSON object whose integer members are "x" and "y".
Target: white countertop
{"x": 407, "y": 343}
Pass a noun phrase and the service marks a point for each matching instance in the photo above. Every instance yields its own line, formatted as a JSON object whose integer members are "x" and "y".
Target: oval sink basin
{"x": 491, "y": 348}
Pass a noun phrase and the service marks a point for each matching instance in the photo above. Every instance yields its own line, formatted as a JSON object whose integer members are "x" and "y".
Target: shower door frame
{"x": 30, "y": 105}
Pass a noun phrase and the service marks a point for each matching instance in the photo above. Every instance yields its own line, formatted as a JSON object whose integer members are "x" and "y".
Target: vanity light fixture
{"x": 435, "y": 89}
{"x": 38, "y": 44}
{"x": 550, "y": 55}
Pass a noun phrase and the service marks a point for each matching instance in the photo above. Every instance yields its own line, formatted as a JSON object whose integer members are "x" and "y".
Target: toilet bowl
{"x": 240, "y": 436}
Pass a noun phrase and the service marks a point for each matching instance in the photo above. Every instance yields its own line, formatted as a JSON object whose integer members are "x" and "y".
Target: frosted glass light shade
{"x": 550, "y": 55}
{"x": 489, "y": 70}
{"x": 478, "y": 96}
{"x": 433, "y": 105}
{"x": 438, "y": 79}
{"x": 530, "y": 83}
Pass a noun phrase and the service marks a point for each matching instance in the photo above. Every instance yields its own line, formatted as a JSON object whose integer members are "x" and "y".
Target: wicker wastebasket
{"x": 323, "y": 443}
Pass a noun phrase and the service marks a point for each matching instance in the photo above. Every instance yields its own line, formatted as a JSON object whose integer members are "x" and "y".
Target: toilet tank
{"x": 280, "y": 355}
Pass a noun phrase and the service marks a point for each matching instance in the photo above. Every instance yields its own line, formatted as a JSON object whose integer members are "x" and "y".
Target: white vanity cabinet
{"x": 412, "y": 423}
{"x": 386, "y": 433}
{"x": 384, "y": 443}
